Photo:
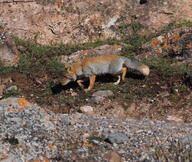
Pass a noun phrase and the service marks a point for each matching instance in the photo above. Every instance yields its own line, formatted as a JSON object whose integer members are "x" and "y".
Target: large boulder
{"x": 176, "y": 43}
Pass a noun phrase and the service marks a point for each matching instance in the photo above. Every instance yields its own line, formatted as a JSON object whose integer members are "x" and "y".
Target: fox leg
{"x": 64, "y": 81}
{"x": 80, "y": 83}
{"x": 124, "y": 72}
{"x": 118, "y": 81}
{"x": 91, "y": 83}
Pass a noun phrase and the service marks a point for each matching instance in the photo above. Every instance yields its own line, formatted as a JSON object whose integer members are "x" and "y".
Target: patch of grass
{"x": 136, "y": 27}
{"x": 111, "y": 97}
{"x": 40, "y": 58}
{"x": 134, "y": 43}
{"x": 114, "y": 88}
{"x": 25, "y": 63}
{"x": 128, "y": 97}
{"x": 165, "y": 65}
{"x": 54, "y": 66}
{"x": 110, "y": 107}
{"x": 9, "y": 93}
{"x": 96, "y": 138}
{"x": 174, "y": 25}
{"x": 190, "y": 101}
{"x": 151, "y": 95}
{"x": 125, "y": 90}
{"x": 6, "y": 69}
{"x": 125, "y": 107}
{"x": 48, "y": 87}
{"x": 97, "y": 44}
{"x": 159, "y": 63}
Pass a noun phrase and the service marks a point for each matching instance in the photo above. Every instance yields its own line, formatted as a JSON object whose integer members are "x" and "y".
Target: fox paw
{"x": 118, "y": 81}
{"x": 87, "y": 90}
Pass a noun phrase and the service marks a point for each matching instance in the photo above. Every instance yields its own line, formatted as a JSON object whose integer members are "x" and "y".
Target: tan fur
{"x": 92, "y": 66}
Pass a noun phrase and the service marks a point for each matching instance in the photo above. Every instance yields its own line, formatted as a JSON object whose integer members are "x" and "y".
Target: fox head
{"x": 70, "y": 74}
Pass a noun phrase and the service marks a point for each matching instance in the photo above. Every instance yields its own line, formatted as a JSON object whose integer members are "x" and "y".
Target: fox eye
{"x": 69, "y": 68}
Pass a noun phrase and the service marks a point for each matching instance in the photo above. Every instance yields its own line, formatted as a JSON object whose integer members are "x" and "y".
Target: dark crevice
{"x": 142, "y": 2}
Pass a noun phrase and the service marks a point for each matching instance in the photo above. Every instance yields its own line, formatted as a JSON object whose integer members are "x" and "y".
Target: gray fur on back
{"x": 133, "y": 64}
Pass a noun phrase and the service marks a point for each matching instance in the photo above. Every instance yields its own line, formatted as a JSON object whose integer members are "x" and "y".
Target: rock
{"x": 100, "y": 96}
{"x": 8, "y": 50}
{"x": 14, "y": 88}
{"x": 86, "y": 109}
{"x": 2, "y": 87}
{"x": 97, "y": 99}
{"x": 112, "y": 156}
{"x": 175, "y": 44}
{"x": 118, "y": 111}
{"x": 186, "y": 140}
{"x": 131, "y": 109}
{"x": 65, "y": 121}
{"x": 86, "y": 136}
{"x": 103, "y": 93}
{"x": 5, "y": 80}
{"x": 98, "y": 51}
{"x": 174, "y": 118}
{"x": 20, "y": 102}
{"x": 117, "y": 138}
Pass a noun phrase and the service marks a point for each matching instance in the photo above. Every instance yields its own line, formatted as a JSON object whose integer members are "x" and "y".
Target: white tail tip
{"x": 144, "y": 70}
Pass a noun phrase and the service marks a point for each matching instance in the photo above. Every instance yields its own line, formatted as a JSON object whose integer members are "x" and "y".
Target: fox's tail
{"x": 133, "y": 64}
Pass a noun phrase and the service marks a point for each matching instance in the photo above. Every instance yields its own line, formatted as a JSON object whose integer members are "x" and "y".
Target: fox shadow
{"x": 59, "y": 87}
{"x": 107, "y": 78}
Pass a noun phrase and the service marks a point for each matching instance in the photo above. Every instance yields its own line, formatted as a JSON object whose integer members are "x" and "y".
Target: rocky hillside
{"x": 82, "y": 21}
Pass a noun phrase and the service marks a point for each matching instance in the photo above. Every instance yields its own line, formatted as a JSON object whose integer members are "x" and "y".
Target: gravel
{"x": 31, "y": 133}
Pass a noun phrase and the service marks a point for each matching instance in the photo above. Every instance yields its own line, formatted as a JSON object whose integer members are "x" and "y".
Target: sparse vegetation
{"x": 165, "y": 65}
{"x": 5, "y": 69}
{"x": 174, "y": 25}
{"x": 9, "y": 93}
{"x": 135, "y": 41}
{"x": 96, "y": 138}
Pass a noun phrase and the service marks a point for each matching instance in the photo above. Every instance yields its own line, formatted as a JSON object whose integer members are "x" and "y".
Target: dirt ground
{"x": 159, "y": 96}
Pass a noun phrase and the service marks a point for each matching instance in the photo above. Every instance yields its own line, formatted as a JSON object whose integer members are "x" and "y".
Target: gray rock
{"x": 2, "y": 87}
{"x": 186, "y": 140}
{"x": 87, "y": 109}
{"x": 103, "y": 93}
{"x": 65, "y": 121}
{"x": 12, "y": 88}
{"x": 9, "y": 54}
{"x": 97, "y": 99}
{"x": 117, "y": 138}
